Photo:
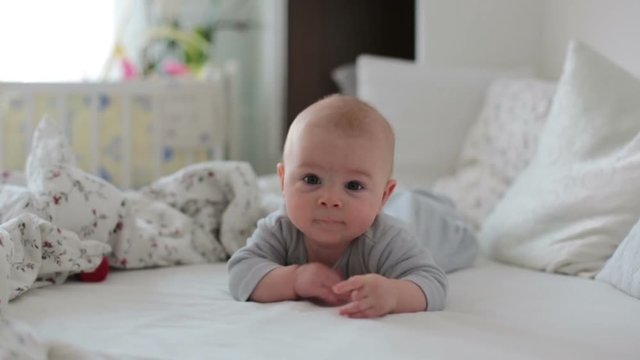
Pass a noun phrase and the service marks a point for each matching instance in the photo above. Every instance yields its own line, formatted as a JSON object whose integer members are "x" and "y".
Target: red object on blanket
{"x": 97, "y": 275}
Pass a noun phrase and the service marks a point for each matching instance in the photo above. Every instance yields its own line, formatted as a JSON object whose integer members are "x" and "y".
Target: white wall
{"x": 611, "y": 27}
{"x": 485, "y": 33}
{"x": 507, "y": 33}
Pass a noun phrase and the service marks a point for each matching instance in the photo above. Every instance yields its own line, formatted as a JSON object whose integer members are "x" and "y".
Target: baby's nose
{"x": 330, "y": 200}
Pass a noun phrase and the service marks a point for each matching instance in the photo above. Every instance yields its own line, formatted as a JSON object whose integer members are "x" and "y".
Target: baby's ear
{"x": 280, "y": 169}
{"x": 388, "y": 190}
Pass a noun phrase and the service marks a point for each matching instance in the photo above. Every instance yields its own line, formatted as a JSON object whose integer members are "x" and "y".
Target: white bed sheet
{"x": 493, "y": 312}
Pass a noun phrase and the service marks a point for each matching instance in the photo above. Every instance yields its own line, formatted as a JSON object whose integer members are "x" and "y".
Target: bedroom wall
{"x": 612, "y": 27}
{"x": 485, "y": 33}
{"x": 508, "y": 33}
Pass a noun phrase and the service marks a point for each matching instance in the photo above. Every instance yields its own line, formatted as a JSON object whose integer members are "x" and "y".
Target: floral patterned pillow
{"x": 72, "y": 198}
{"x": 499, "y": 145}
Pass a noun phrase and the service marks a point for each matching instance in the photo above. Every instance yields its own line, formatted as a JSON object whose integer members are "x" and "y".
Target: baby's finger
{"x": 355, "y": 307}
{"x": 358, "y": 294}
{"x": 366, "y": 314}
{"x": 352, "y": 283}
{"x": 327, "y": 296}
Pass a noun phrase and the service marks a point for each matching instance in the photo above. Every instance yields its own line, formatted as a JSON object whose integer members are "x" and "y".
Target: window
{"x": 62, "y": 40}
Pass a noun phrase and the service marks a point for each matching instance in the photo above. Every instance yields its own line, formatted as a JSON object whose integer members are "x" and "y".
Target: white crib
{"x": 129, "y": 132}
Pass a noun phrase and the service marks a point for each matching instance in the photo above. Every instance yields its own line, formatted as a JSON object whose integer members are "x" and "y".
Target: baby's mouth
{"x": 328, "y": 221}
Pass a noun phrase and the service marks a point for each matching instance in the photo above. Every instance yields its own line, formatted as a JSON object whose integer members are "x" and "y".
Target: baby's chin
{"x": 329, "y": 225}
{"x": 330, "y": 234}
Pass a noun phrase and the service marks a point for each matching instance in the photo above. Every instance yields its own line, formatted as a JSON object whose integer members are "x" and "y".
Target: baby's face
{"x": 334, "y": 185}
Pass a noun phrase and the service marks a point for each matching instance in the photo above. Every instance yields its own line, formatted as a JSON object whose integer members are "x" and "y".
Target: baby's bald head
{"x": 346, "y": 116}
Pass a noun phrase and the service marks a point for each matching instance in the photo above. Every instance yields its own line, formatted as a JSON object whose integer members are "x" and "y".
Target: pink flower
{"x": 129, "y": 70}
{"x": 174, "y": 67}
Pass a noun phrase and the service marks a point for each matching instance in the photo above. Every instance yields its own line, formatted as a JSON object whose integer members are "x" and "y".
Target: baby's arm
{"x": 264, "y": 256}
{"x": 308, "y": 281}
{"x": 277, "y": 285}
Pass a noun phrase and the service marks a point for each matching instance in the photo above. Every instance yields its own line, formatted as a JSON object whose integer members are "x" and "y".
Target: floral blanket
{"x": 57, "y": 220}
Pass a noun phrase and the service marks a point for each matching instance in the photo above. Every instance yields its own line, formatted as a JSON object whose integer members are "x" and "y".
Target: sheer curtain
{"x": 256, "y": 136}
{"x": 62, "y": 40}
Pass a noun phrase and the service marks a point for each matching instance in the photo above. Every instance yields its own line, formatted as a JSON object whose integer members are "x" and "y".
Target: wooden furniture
{"x": 324, "y": 34}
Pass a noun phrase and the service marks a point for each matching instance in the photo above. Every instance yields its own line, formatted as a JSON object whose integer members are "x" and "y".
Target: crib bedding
{"x": 186, "y": 312}
{"x": 101, "y": 119}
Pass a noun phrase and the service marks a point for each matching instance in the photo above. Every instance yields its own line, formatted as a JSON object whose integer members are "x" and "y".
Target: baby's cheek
{"x": 363, "y": 219}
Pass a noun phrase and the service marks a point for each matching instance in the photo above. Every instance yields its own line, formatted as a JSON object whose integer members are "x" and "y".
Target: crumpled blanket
{"x": 62, "y": 220}
{"x": 202, "y": 213}
{"x": 34, "y": 253}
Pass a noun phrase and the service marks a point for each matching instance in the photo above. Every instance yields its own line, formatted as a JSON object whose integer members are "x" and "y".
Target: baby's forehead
{"x": 341, "y": 105}
{"x": 347, "y": 118}
{"x": 343, "y": 116}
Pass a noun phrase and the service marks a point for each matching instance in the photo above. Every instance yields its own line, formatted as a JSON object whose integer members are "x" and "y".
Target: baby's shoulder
{"x": 387, "y": 241}
{"x": 274, "y": 218}
{"x": 386, "y": 229}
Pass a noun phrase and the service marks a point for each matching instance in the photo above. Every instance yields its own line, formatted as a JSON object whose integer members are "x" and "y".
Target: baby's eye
{"x": 311, "y": 179}
{"x": 354, "y": 186}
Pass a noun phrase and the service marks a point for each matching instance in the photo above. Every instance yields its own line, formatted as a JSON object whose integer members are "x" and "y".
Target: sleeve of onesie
{"x": 401, "y": 257}
{"x": 265, "y": 250}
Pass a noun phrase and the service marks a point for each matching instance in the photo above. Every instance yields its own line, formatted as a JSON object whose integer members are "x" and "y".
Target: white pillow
{"x": 623, "y": 268}
{"x": 430, "y": 111}
{"x": 344, "y": 76}
{"x": 499, "y": 145}
{"x": 568, "y": 211}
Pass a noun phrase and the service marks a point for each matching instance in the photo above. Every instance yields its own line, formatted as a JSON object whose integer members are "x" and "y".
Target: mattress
{"x": 493, "y": 311}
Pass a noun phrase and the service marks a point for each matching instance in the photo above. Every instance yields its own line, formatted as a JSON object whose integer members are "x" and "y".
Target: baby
{"x": 331, "y": 243}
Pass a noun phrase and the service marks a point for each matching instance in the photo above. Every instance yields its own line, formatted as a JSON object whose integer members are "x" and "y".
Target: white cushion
{"x": 499, "y": 145}
{"x": 622, "y": 270}
{"x": 430, "y": 111}
{"x": 571, "y": 207}
{"x": 344, "y": 76}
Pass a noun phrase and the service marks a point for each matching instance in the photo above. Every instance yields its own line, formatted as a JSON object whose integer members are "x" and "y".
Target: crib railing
{"x": 128, "y": 133}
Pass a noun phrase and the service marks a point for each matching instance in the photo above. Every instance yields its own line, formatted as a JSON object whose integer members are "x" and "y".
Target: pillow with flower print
{"x": 499, "y": 145}
{"x": 70, "y": 197}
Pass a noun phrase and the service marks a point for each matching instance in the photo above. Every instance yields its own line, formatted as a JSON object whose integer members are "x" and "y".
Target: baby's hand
{"x": 315, "y": 281}
{"x": 371, "y": 295}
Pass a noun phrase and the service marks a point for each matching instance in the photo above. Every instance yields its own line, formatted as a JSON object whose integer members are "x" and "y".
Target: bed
{"x": 530, "y": 294}
{"x": 494, "y": 312}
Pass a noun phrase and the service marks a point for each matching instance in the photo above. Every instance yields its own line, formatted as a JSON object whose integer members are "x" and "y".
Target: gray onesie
{"x": 387, "y": 248}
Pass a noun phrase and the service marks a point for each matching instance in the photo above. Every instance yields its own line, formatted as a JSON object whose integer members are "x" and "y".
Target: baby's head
{"x": 336, "y": 169}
